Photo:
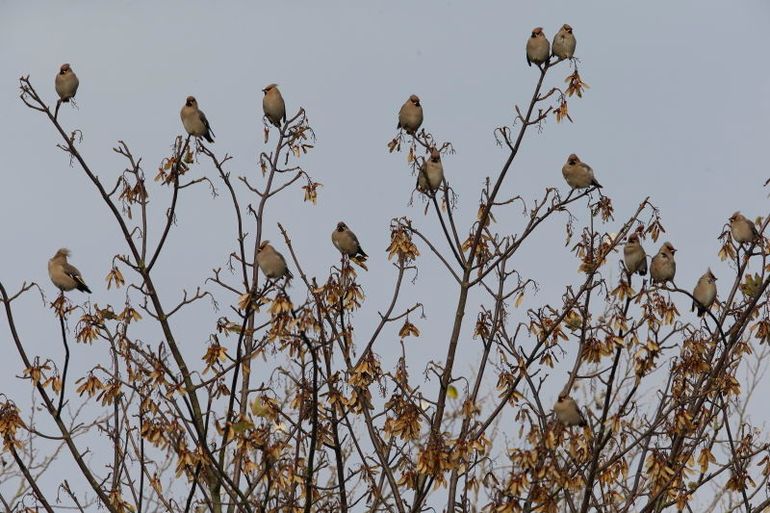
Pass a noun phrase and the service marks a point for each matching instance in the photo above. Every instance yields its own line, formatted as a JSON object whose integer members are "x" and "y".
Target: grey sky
{"x": 677, "y": 110}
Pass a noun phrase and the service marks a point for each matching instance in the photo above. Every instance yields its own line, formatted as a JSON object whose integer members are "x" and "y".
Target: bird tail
{"x": 361, "y": 253}
{"x": 208, "y": 137}
{"x": 643, "y": 268}
{"x": 82, "y": 287}
{"x": 596, "y": 184}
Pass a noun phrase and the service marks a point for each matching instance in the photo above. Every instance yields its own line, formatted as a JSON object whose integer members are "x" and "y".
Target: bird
{"x": 538, "y": 47}
{"x": 663, "y": 266}
{"x": 273, "y": 105}
{"x": 194, "y": 120}
{"x": 705, "y": 293}
{"x": 578, "y": 175}
{"x": 66, "y": 83}
{"x": 568, "y": 413}
{"x": 66, "y": 277}
{"x": 564, "y": 43}
{"x": 742, "y": 229}
{"x": 271, "y": 262}
{"x": 431, "y": 173}
{"x": 346, "y": 241}
{"x": 634, "y": 256}
{"x": 410, "y": 115}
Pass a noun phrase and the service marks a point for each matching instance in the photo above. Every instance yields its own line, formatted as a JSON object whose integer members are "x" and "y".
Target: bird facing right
{"x": 705, "y": 293}
{"x": 66, "y": 277}
{"x": 346, "y": 241}
{"x": 663, "y": 266}
{"x": 431, "y": 173}
{"x": 410, "y": 115}
{"x": 634, "y": 256}
{"x": 538, "y": 47}
{"x": 194, "y": 120}
{"x": 66, "y": 83}
{"x": 568, "y": 413}
{"x": 273, "y": 105}
{"x": 742, "y": 229}
{"x": 564, "y": 43}
{"x": 578, "y": 175}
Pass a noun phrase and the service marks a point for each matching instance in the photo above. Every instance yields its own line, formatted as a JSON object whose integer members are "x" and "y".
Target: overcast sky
{"x": 677, "y": 110}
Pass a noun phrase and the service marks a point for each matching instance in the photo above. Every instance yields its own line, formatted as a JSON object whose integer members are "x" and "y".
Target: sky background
{"x": 677, "y": 111}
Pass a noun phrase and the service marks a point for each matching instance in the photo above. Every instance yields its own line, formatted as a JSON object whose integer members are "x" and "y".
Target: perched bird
{"x": 410, "y": 115}
{"x": 742, "y": 229}
{"x": 346, "y": 241}
{"x": 65, "y": 276}
{"x": 273, "y": 105}
{"x": 66, "y": 83}
{"x": 705, "y": 293}
{"x": 538, "y": 47}
{"x": 194, "y": 120}
{"x": 272, "y": 262}
{"x": 564, "y": 43}
{"x": 634, "y": 256}
{"x": 578, "y": 175}
{"x": 431, "y": 173}
{"x": 568, "y": 413}
{"x": 663, "y": 266}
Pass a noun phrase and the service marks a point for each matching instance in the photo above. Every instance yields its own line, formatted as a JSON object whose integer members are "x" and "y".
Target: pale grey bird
{"x": 66, "y": 277}
{"x": 538, "y": 47}
{"x": 66, "y": 83}
{"x": 663, "y": 266}
{"x": 194, "y": 120}
{"x": 568, "y": 413}
{"x": 634, "y": 256}
{"x": 271, "y": 262}
{"x": 705, "y": 293}
{"x": 742, "y": 229}
{"x": 273, "y": 105}
{"x": 410, "y": 115}
{"x": 578, "y": 175}
{"x": 564, "y": 43}
{"x": 431, "y": 173}
{"x": 346, "y": 241}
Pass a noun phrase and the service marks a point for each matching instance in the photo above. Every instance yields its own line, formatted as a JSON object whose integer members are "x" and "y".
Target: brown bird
{"x": 634, "y": 256}
{"x": 431, "y": 173}
{"x": 66, "y": 277}
{"x": 410, "y": 115}
{"x": 66, "y": 83}
{"x": 346, "y": 241}
{"x": 705, "y": 293}
{"x": 578, "y": 175}
{"x": 271, "y": 262}
{"x": 273, "y": 105}
{"x": 568, "y": 413}
{"x": 538, "y": 47}
{"x": 742, "y": 229}
{"x": 194, "y": 120}
{"x": 663, "y": 266}
{"x": 564, "y": 43}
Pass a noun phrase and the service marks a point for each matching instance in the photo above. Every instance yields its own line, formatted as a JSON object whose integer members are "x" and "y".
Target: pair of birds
{"x": 539, "y": 50}
{"x": 274, "y": 266}
{"x": 197, "y": 125}
{"x": 663, "y": 265}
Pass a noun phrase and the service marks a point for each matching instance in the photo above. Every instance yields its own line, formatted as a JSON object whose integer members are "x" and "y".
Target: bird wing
{"x": 205, "y": 122}
{"x": 72, "y": 272}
